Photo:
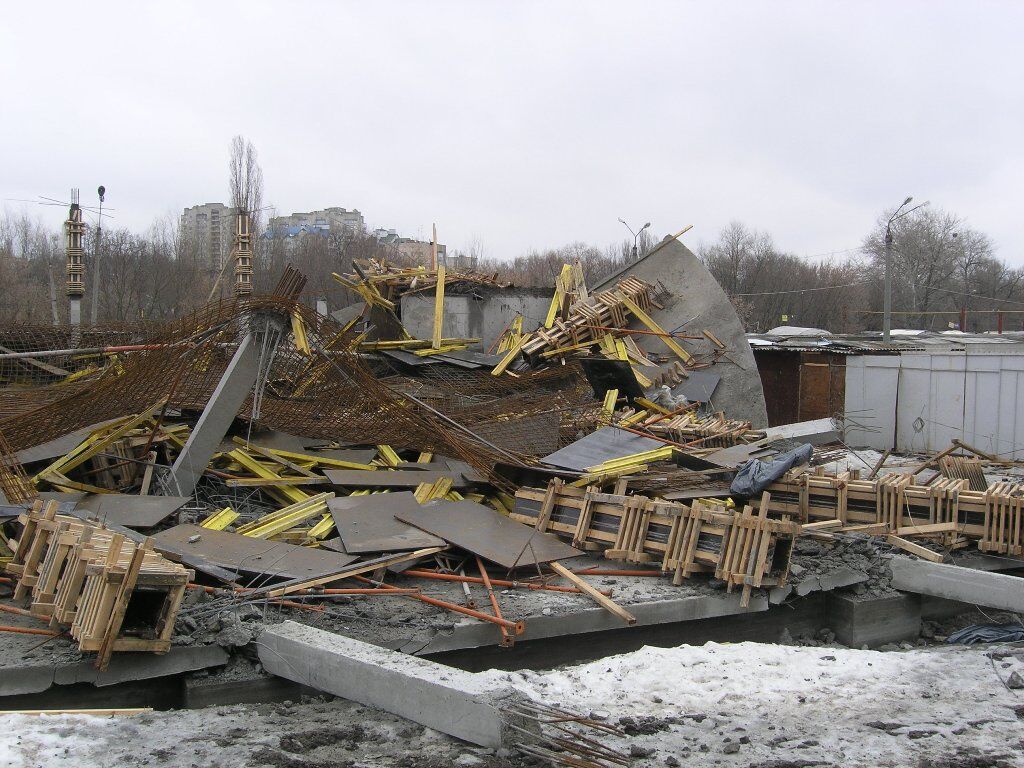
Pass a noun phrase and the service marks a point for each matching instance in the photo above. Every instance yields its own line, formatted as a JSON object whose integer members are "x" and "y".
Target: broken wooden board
{"x": 489, "y": 534}
{"x": 245, "y": 555}
{"x": 368, "y": 524}
{"x": 400, "y": 478}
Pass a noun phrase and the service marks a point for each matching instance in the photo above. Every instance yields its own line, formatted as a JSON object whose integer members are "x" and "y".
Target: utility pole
{"x": 101, "y": 191}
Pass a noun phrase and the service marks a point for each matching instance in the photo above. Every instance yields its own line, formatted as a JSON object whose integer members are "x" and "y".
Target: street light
{"x": 101, "y": 191}
{"x": 634, "y": 234}
{"x": 887, "y": 300}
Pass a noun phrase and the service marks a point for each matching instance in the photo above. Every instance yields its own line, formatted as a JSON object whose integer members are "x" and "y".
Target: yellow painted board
{"x": 647, "y": 320}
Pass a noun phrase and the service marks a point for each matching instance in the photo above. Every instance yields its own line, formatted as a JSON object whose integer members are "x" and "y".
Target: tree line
{"x": 939, "y": 266}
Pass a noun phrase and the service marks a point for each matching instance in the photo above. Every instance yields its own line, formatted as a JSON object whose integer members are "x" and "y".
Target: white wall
{"x": 920, "y": 401}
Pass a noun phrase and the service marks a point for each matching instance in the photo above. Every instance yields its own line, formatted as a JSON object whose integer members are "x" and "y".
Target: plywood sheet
{"x": 368, "y": 524}
{"x": 131, "y": 510}
{"x": 482, "y": 531}
{"x": 598, "y": 447}
{"x": 246, "y": 556}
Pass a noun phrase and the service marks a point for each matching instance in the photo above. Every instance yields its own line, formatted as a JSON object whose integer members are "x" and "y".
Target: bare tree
{"x": 245, "y": 179}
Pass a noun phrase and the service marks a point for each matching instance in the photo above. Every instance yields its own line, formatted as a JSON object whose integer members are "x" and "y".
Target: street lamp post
{"x": 634, "y": 234}
{"x": 101, "y": 191}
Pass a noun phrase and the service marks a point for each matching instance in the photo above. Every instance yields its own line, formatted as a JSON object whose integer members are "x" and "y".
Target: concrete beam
{"x": 443, "y": 698}
{"x": 992, "y": 590}
{"x": 232, "y": 389}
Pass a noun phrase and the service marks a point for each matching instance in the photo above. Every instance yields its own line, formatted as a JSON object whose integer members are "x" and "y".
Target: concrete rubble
{"x": 335, "y": 506}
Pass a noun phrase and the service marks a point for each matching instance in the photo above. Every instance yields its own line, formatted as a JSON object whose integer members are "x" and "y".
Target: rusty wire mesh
{"x": 332, "y": 393}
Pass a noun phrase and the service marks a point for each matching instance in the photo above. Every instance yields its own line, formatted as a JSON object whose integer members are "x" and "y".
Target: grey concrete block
{"x": 951, "y": 582}
{"x": 874, "y": 622}
{"x": 449, "y": 700}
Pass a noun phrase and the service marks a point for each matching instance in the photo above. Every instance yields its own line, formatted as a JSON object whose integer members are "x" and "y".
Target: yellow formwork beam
{"x": 647, "y": 320}
{"x": 220, "y": 520}
{"x": 96, "y": 442}
{"x": 632, "y": 460}
{"x": 287, "y": 518}
{"x": 289, "y": 492}
{"x": 436, "y": 490}
{"x": 388, "y": 456}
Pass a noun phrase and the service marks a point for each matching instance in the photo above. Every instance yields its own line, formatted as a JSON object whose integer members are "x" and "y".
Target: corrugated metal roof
{"x": 871, "y": 342}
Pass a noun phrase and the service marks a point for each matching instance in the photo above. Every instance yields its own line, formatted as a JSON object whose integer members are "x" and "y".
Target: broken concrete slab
{"x": 952, "y": 582}
{"x": 124, "y": 667}
{"x": 443, "y": 698}
{"x": 826, "y": 582}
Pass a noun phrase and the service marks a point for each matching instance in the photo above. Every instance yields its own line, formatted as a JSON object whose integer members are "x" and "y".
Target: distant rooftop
{"x": 791, "y": 339}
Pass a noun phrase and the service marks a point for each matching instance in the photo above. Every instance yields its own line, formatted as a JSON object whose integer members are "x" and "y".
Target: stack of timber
{"x": 715, "y": 431}
{"x": 114, "y": 594}
{"x": 947, "y": 511}
{"x": 588, "y": 318}
{"x": 742, "y": 548}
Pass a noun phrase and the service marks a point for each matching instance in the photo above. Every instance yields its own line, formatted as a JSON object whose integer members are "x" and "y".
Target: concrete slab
{"x": 35, "y": 677}
{"x": 449, "y": 700}
{"x": 951, "y": 582}
{"x": 474, "y": 634}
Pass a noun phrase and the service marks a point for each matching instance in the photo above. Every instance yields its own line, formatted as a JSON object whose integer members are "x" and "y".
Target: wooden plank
{"x": 914, "y": 549}
{"x": 605, "y": 602}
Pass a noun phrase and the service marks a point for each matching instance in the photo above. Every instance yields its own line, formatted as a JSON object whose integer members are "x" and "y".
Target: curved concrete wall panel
{"x": 697, "y": 302}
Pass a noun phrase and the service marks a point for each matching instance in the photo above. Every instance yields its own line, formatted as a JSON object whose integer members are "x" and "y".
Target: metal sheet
{"x": 469, "y": 358}
{"x": 130, "y": 510}
{"x": 400, "y": 478}
{"x": 245, "y": 555}
{"x": 408, "y": 358}
{"x": 368, "y": 524}
{"x": 482, "y": 531}
{"x": 598, "y": 447}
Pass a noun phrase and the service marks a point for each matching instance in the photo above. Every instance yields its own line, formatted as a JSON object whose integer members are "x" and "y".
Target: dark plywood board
{"x": 383, "y": 478}
{"x": 368, "y": 524}
{"x": 469, "y": 358}
{"x": 245, "y": 555}
{"x": 408, "y": 358}
{"x": 598, "y": 447}
{"x": 482, "y": 531}
{"x": 604, "y": 374}
{"x": 59, "y": 446}
{"x": 130, "y": 510}
{"x": 354, "y": 455}
{"x": 699, "y": 387}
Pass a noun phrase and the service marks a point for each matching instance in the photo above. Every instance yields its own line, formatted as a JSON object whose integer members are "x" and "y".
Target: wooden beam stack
{"x": 947, "y": 511}
{"x": 738, "y": 546}
{"x": 586, "y": 318}
{"x": 114, "y": 594}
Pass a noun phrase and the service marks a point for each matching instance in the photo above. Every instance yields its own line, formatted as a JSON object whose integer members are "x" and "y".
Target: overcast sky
{"x": 528, "y": 124}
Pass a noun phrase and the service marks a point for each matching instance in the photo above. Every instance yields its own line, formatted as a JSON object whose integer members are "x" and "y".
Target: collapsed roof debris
{"x": 188, "y": 485}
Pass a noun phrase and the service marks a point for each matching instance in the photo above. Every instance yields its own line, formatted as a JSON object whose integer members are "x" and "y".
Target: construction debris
{"x": 259, "y": 461}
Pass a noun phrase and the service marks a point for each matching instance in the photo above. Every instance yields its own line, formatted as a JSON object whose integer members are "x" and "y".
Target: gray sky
{"x": 528, "y": 124}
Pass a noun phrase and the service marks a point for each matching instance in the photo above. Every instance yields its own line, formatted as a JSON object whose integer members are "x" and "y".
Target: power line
{"x": 807, "y": 290}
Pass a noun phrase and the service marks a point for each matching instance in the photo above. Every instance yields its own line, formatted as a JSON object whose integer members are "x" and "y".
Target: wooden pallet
{"x": 946, "y": 511}
{"x": 113, "y": 593}
{"x": 740, "y": 547}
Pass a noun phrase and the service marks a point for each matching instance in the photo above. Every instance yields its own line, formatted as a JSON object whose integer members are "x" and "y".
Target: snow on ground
{"x": 745, "y": 704}
{"x": 805, "y": 706}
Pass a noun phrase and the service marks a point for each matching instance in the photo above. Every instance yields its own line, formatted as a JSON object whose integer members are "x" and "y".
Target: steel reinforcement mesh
{"x": 330, "y": 393}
